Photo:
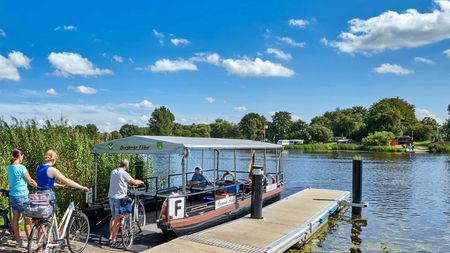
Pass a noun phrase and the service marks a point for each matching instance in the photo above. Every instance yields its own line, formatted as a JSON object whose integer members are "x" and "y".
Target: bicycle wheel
{"x": 39, "y": 238}
{"x": 4, "y": 225}
{"x": 141, "y": 219}
{"x": 78, "y": 232}
{"x": 126, "y": 232}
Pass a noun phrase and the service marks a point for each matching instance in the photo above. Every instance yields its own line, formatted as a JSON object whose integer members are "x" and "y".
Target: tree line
{"x": 390, "y": 115}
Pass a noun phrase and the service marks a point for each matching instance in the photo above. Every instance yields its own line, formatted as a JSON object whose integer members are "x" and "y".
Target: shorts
{"x": 114, "y": 204}
{"x": 19, "y": 203}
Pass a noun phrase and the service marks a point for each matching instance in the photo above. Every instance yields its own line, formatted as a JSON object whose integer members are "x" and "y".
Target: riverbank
{"x": 330, "y": 147}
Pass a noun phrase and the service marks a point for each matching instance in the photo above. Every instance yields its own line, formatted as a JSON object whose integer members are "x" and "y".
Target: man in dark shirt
{"x": 198, "y": 177}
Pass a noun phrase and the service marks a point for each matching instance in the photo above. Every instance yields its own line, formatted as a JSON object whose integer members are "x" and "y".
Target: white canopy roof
{"x": 140, "y": 144}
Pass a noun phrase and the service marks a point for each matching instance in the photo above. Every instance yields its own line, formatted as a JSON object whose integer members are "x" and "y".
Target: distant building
{"x": 342, "y": 140}
{"x": 402, "y": 140}
{"x": 290, "y": 142}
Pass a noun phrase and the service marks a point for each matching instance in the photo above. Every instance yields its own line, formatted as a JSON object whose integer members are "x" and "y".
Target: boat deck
{"x": 291, "y": 220}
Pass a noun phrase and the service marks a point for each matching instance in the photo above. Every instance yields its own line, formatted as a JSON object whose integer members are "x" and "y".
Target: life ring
{"x": 164, "y": 210}
{"x": 274, "y": 179}
{"x": 229, "y": 174}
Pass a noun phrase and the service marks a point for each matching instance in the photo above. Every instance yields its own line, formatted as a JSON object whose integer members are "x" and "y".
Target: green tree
{"x": 161, "y": 121}
{"x": 201, "y": 130}
{"x": 129, "y": 130}
{"x": 423, "y": 132}
{"x": 298, "y": 130}
{"x": 251, "y": 125}
{"x": 319, "y": 133}
{"x": 92, "y": 129}
{"x": 321, "y": 121}
{"x": 391, "y": 114}
{"x": 382, "y": 138}
{"x": 182, "y": 130}
{"x": 279, "y": 127}
{"x": 224, "y": 129}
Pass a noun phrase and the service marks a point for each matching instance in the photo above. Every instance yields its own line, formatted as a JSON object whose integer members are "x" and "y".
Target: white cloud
{"x": 67, "y": 64}
{"x": 422, "y": 113}
{"x": 246, "y": 67}
{"x": 211, "y": 58}
{"x": 423, "y": 60}
{"x": 166, "y": 65}
{"x": 144, "y": 118}
{"x": 66, "y": 27}
{"x": 279, "y": 54}
{"x": 392, "y": 30}
{"x": 106, "y": 117}
{"x": 159, "y": 36}
{"x": 447, "y": 53}
{"x": 9, "y": 66}
{"x": 291, "y": 41}
{"x": 51, "y": 91}
{"x": 301, "y": 23}
{"x": 122, "y": 120}
{"x": 180, "y": 41}
{"x": 144, "y": 104}
{"x": 210, "y": 100}
{"x": 83, "y": 89}
{"x": 18, "y": 59}
{"x": 118, "y": 58}
{"x": 395, "y": 69}
{"x": 2, "y": 33}
{"x": 240, "y": 108}
{"x": 70, "y": 28}
{"x": 295, "y": 117}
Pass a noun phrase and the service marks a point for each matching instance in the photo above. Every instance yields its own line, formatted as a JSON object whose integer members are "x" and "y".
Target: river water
{"x": 408, "y": 195}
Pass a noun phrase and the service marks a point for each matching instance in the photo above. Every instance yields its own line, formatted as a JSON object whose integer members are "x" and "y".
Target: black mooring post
{"x": 257, "y": 192}
{"x": 357, "y": 185}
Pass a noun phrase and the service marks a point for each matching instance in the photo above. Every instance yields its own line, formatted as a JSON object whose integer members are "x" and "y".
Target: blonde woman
{"x": 47, "y": 174}
{"x": 19, "y": 179}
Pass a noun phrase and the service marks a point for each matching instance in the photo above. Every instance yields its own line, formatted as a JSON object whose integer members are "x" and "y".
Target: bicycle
{"x": 6, "y": 217}
{"x": 133, "y": 218}
{"x": 47, "y": 235}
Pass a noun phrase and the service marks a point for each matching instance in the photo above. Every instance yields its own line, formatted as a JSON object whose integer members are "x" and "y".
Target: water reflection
{"x": 408, "y": 195}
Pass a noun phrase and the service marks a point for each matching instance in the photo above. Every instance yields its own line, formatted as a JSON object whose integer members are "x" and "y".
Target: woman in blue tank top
{"x": 46, "y": 175}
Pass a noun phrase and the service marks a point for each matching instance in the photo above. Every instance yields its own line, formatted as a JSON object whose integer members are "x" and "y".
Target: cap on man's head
{"x": 197, "y": 168}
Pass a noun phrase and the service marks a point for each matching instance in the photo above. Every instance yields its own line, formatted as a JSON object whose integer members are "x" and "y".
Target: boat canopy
{"x": 140, "y": 144}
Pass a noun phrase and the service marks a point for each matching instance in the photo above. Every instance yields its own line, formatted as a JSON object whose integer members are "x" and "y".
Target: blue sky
{"x": 111, "y": 63}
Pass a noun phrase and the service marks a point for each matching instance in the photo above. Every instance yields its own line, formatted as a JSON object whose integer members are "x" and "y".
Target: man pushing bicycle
{"x": 118, "y": 188}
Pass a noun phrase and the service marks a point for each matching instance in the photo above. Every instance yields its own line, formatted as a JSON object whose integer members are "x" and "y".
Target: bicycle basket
{"x": 39, "y": 207}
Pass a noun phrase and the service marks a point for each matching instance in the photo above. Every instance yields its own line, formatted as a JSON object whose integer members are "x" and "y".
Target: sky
{"x": 114, "y": 62}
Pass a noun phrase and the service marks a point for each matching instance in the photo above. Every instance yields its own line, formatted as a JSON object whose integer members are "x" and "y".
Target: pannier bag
{"x": 125, "y": 206}
{"x": 39, "y": 207}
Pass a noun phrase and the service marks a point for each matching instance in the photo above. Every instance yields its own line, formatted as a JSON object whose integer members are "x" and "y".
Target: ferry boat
{"x": 183, "y": 206}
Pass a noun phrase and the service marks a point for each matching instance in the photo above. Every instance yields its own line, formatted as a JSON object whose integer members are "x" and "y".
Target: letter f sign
{"x": 177, "y": 207}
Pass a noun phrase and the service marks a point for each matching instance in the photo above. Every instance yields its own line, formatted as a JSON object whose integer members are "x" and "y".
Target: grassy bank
{"x": 327, "y": 147}
{"x": 440, "y": 147}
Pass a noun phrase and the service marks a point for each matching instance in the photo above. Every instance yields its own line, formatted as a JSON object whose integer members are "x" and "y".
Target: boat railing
{"x": 170, "y": 176}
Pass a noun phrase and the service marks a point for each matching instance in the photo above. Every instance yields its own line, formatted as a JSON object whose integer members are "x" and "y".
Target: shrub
{"x": 440, "y": 147}
{"x": 382, "y": 138}
{"x": 320, "y": 133}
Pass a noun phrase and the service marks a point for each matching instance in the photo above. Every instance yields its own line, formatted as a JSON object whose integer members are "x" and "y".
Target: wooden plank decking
{"x": 286, "y": 222}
